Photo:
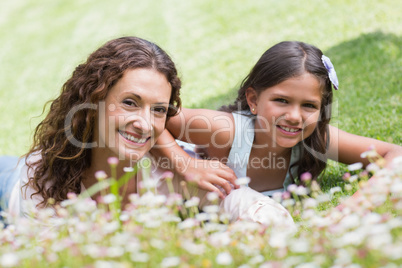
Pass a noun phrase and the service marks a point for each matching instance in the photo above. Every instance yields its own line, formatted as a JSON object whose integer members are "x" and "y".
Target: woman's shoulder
{"x": 22, "y": 198}
{"x": 33, "y": 158}
{"x": 26, "y": 191}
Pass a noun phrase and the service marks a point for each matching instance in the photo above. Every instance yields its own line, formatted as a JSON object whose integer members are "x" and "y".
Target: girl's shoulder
{"x": 243, "y": 118}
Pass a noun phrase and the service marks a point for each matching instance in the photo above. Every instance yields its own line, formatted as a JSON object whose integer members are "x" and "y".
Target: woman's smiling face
{"x": 133, "y": 115}
{"x": 288, "y": 112}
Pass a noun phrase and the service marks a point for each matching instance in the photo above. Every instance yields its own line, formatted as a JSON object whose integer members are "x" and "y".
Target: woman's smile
{"x": 133, "y": 138}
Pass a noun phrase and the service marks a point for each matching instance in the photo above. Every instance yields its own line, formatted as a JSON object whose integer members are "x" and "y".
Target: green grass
{"x": 214, "y": 44}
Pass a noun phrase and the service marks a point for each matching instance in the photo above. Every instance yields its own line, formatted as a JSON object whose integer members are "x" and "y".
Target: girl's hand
{"x": 210, "y": 175}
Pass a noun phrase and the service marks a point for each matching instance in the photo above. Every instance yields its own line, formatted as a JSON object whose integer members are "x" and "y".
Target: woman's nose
{"x": 143, "y": 121}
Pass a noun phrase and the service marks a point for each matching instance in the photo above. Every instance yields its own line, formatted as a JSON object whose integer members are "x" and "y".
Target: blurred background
{"x": 213, "y": 43}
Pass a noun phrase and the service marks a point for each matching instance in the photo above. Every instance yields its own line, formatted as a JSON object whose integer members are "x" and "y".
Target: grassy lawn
{"x": 214, "y": 44}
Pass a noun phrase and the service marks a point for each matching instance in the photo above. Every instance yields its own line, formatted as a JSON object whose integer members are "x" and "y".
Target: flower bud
{"x": 113, "y": 161}
{"x": 306, "y": 177}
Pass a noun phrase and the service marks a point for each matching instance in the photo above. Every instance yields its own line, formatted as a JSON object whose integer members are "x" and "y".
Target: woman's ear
{"x": 251, "y": 96}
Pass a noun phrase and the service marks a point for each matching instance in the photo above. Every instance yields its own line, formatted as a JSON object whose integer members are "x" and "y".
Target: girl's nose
{"x": 293, "y": 115}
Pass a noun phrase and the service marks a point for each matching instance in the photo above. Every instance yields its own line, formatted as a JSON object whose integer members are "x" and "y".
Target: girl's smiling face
{"x": 287, "y": 112}
{"x": 133, "y": 115}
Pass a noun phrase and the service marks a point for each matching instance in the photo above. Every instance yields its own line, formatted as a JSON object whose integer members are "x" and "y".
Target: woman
{"x": 114, "y": 104}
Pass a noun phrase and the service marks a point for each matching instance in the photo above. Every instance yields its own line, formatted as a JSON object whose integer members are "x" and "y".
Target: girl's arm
{"x": 346, "y": 147}
{"x": 213, "y": 130}
{"x": 204, "y": 127}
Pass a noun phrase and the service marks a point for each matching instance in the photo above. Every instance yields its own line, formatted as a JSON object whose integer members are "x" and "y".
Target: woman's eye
{"x": 161, "y": 110}
{"x": 130, "y": 103}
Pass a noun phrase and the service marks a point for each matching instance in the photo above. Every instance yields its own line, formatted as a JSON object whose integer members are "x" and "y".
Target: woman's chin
{"x": 134, "y": 155}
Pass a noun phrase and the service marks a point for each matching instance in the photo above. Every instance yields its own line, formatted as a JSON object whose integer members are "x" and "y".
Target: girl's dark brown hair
{"x": 283, "y": 61}
{"x": 61, "y": 162}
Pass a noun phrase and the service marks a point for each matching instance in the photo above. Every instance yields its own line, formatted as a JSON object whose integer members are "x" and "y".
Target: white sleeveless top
{"x": 240, "y": 152}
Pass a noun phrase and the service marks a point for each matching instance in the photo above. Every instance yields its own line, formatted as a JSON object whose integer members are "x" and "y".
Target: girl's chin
{"x": 287, "y": 143}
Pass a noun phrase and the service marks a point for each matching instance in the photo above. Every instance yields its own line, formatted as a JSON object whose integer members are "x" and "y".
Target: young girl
{"x": 116, "y": 104}
{"x": 276, "y": 130}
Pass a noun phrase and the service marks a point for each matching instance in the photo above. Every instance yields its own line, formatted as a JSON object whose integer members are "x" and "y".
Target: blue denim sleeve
{"x": 9, "y": 173}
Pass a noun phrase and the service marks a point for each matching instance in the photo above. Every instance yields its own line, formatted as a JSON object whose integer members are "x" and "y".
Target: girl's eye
{"x": 161, "y": 110}
{"x": 309, "y": 105}
{"x": 130, "y": 103}
{"x": 281, "y": 100}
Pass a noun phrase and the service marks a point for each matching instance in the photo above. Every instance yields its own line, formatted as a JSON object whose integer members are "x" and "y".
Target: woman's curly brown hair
{"x": 62, "y": 163}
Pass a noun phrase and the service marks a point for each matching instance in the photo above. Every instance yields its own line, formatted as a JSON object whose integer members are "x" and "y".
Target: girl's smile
{"x": 288, "y": 130}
